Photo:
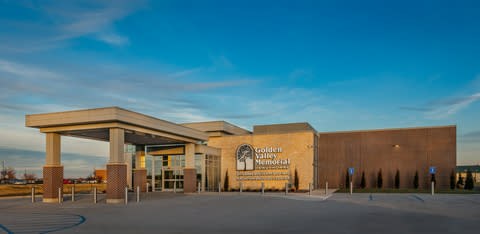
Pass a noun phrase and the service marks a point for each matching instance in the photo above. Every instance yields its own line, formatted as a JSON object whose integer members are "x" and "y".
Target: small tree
{"x": 99, "y": 179}
{"x": 397, "y": 179}
{"x": 469, "y": 181}
{"x": 460, "y": 180}
{"x": 379, "y": 179}
{"x": 363, "y": 183}
{"x": 452, "y": 180}
{"x": 415, "y": 180}
{"x": 225, "y": 183}
{"x": 347, "y": 180}
{"x": 295, "y": 180}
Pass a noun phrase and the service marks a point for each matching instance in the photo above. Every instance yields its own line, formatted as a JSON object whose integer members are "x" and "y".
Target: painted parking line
{"x": 417, "y": 197}
{"x": 42, "y": 223}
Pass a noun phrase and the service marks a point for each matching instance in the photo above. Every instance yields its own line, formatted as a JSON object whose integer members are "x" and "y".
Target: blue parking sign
{"x": 350, "y": 171}
{"x": 432, "y": 170}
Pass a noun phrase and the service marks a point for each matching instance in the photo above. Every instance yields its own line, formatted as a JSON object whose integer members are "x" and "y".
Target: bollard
{"x": 73, "y": 194}
{"x": 326, "y": 188}
{"x": 175, "y": 187}
{"x": 351, "y": 188}
{"x": 286, "y": 189}
{"x": 263, "y": 188}
{"x": 138, "y": 194}
{"x": 95, "y": 195}
{"x": 60, "y": 197}
{"x": 241, "y": 187}
{"x": 126, "y": 195}
{"x": 147, "y": 187}
{"x": 433, "y": 188}
{"x": 33, "y": 194}
{"x": 219, "y": 188}
{"x": 309, "y": 189}
{"x": 198, "y": 188}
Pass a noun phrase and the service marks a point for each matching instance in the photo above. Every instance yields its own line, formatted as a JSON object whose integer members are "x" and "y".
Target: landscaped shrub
{"x": 296, "y": 180}
{"x": 347, "y": 180}
{"x": 225, "y": 183}
{"x": 397, "y": 179}
{"x": 469, "y": 181}
{"x": 460, "y": 181}
{"x": 379, "y": 179}
{"x": 452, "y": 180}
{"x": 363, "y": 183}
{"x": 415, "y": 180}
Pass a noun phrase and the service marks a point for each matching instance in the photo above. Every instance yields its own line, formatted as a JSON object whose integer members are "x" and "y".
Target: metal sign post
{"x": 263, "y": 188}
{"x": 286, "y": 189}
{"x": 432, "y": 172}
{"x": 240, "y": 187}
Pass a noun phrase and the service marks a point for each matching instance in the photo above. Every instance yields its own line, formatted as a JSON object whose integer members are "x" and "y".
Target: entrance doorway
{"x": 168, "y": 173}
{"x": 172, "y": 179}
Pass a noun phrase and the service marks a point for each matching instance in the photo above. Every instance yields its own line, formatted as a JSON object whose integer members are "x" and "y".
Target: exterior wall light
{"x": 396, "y": 146}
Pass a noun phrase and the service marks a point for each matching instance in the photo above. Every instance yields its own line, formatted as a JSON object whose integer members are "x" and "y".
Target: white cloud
{"x": 451, "y": 107}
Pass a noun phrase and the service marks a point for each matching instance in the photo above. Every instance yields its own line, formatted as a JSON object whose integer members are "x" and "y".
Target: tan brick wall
{"x": 52, "y": 180}
{"x": 370, "y": 151}
{"x": 296, "y": 146}
{"x": 117, "y": 181}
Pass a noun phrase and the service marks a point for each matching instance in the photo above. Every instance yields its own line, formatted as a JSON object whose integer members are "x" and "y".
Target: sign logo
{"x": 245, "y": 161}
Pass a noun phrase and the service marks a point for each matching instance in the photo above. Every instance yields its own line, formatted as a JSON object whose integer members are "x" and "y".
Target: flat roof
{"x": 218, "y": 126}
{"x": 283, "y": 128}
{"x": 390, "y": 129}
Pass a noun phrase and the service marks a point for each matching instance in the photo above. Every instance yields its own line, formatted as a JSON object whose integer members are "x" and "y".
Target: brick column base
{"x": 52, "y": 180}
{"x": 140, "y": 179}
{"x": 189, "y": 180}
{"x": 116, "y": 182}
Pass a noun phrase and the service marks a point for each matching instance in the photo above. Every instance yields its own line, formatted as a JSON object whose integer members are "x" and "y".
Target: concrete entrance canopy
{"x": 95, "y": 124}
{"x": 113, "y": 124}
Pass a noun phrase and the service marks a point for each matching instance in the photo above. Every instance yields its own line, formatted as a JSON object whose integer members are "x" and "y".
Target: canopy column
{"x": 189, "y": 172}
{"x": 140, "y": 172}
{"x": 116, "y": 167}
{"x": 52, "y": 170}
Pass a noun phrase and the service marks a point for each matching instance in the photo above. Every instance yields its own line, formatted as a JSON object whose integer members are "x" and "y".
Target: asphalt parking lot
{"x": 247, "y": 213}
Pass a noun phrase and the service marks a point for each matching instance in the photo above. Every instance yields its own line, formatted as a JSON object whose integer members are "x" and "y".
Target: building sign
{"x": 268, "y": 158}
{"x": 261, "y": 158}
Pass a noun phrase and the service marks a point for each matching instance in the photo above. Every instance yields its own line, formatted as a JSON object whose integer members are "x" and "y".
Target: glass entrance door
{"x": 172, "y": 179}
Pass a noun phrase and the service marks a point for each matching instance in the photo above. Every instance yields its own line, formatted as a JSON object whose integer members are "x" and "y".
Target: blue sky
{"x": 339, "y": 65}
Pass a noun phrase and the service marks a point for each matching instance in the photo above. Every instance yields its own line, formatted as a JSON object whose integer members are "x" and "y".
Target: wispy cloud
{"x": 471, "y": 137}
{"x": 303, "y": 74}
{"x": 443, "y": 108}
{"x": 65, "y": 20}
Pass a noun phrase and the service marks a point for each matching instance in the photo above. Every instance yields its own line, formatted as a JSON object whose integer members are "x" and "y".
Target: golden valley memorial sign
{"x": 250, "y": 159}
